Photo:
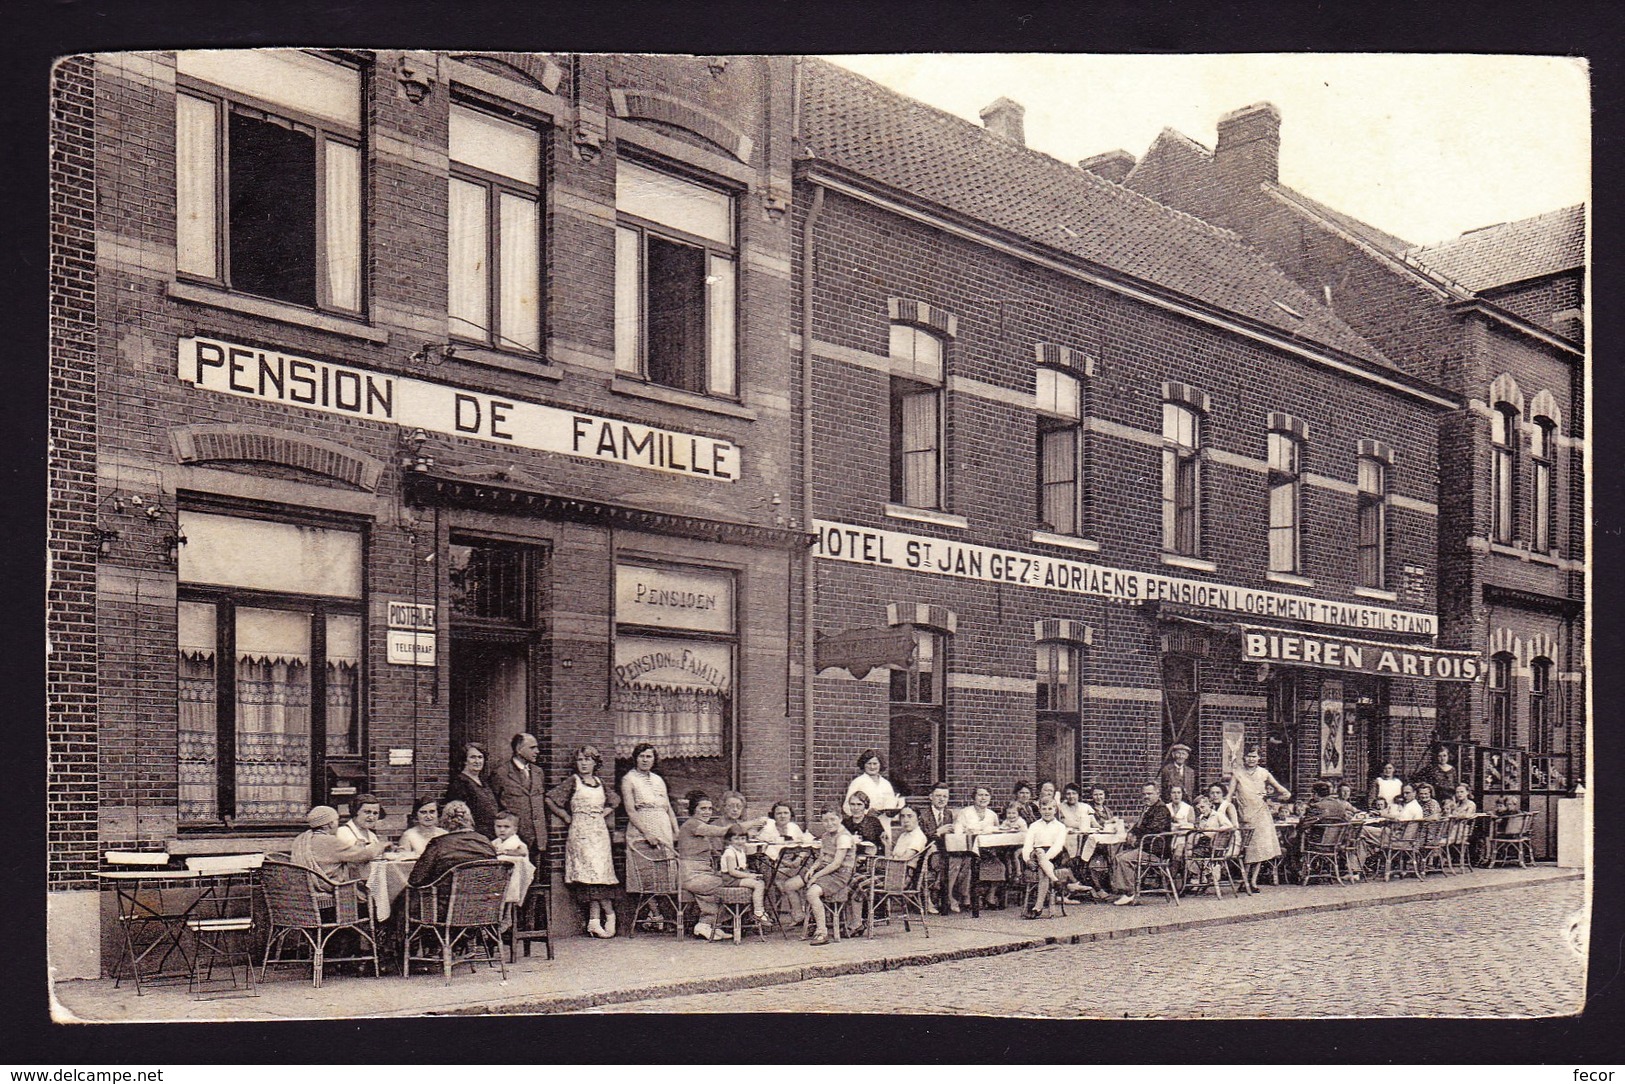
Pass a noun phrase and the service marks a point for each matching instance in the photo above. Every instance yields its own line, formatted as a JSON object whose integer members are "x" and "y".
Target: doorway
{"x": 1281, "y": 729}
{"x": 490, "y": 696}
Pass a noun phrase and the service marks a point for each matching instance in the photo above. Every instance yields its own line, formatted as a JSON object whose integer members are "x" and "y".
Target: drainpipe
{"x": 807, "y": 591}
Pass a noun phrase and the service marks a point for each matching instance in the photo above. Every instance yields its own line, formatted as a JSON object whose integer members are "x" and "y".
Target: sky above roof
{"x": 1423, "y": 146}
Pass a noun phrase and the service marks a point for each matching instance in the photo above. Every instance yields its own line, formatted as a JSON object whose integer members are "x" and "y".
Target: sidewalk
{"x": 590, "y": 974}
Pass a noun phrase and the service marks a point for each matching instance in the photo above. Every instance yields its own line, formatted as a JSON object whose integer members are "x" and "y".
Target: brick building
{"x": 360, "y": 360}
{"x": 1497, "y": 317}
{"x": 1122, "y": 481}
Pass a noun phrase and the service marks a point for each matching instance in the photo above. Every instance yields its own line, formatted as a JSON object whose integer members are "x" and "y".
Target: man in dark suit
{"x": 1324, "y": 808}
{"x": 459, "y": 846}
{"x": 936, "y": 821}
{"x": 521, "y": 790}
{"x": 1125, "y": 862}
{"x": 1177, "y": 772}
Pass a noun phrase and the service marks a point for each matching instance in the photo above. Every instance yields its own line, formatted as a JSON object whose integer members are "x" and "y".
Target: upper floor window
{"x": 1285, "y": 481}
{"x": 1541, "y": 444}
{"x": 1503, "y": 469}
{"x": 268, "y": 175}
{"x": 916, "y": 417}
{"x": 675, "y": 281}
{"x": 1540, "y": 706}
{"x": 494, "y": 231}
{"x": 1060, "y": 467}
{"x": 1371, "y": 531}
{"x": 1181, "y": 478}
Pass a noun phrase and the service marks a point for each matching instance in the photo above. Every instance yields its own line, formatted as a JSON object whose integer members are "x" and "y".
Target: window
{"x": 672, "y": 677}
{"x": 1541, "y": 444}
{"x": 1180, "y": 705}
{"x": 1286, "y": 478}
{"x": 675, "y": 281}
{"x": 269, "y": 666}
{"x": 916, "y": 417}
{"x": 489, "y": 581}
{"x": 268, "y": 175}
{"x": 1540, "y": 706}
{"x": 1503, "y": 469}
{"x": 494, "y": 231}
{"x": 1371, "y": 532}
{"x": 918, "y": 756}
{"x": 1181, "y": 480}
{"x": 1059, "y": 452}
{"x": 1058, "y": 716}
{"x": 1500, "y": 682}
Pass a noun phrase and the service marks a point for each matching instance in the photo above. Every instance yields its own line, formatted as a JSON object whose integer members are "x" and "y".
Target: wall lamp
{"x": 135, "y": 505}
{"x": 433, "y": 353}
{"x": 416, "y": 459}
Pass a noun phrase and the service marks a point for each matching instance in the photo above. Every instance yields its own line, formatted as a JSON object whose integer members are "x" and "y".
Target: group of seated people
{"x": 441, "y": 836}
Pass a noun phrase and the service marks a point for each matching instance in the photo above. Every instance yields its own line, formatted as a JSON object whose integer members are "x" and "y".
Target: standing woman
{"x": 872, "y": 784}
{"x": 1249, "y": 787}
{"x": 1386, "y": 786}
{"x": 648, "y": 806}
{"x": 585, "y": 805}
{"x": 469, "y": 786}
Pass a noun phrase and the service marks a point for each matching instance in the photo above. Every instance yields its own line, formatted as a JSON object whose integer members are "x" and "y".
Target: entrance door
{"x": 490, "y": 696}
{"x": 1058, "y": 749}
{"x": 1281, "y": 729}
{"x": 1179, "y": 705}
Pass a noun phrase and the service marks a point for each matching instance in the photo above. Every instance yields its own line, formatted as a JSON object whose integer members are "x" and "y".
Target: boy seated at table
{"x": 506, "y": 840}
{"x": 1043, "y": 849}
{"x": 735, "y": 865}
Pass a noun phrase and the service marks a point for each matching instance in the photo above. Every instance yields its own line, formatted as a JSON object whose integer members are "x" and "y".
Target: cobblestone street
{"x": 1496, "y": 954}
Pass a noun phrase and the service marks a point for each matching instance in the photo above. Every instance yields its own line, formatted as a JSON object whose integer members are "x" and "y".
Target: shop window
{"x": 1286, "y": 508}
{"x": 1060, "y": 467}
{"x": 1181, "y": 479}
{"x": 1540, "y": 706}
{"x": 1541, "y": 443}
{"x": 1059, "y": 721}
{"x": 494, "y": 231}
{"x": 673, "y": 673}
{"x": 675, "y": 281}
{"x": 916, "y": 417}
{"x": 1500, "y": 701}
{"x": 269, "y": 666}
{"x": 1503, "y": 471}
{"x": 1371, "y": 530}
{"x": 268, "y": 175}
{"x": 918, "y": 753}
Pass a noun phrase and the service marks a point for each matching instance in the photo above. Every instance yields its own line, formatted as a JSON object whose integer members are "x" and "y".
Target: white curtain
{"x": 521, "y": 273}
{"x": 343, "y": 225}
{"x": 343, "y": 666}
{"x": 273, "y": 714}
{"x": 679, "y": 723}
{"x": 720, "y": 282}
{"x": 628, "y": 298}
{"x": 198, "y": 754}
{"x": 469, "y": 270}
{"x": 196, "y": 155}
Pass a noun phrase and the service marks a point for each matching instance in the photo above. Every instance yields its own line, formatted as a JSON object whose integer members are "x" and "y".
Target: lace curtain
{"x": 677, "y": 723}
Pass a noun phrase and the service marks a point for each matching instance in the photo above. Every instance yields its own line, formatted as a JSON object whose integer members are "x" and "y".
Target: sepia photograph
{"x": 596, "y": 533}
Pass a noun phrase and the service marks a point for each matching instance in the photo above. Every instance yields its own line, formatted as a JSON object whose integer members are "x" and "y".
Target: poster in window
{"x": 1235, "y": 737}
{"x": 1331, "y": 729}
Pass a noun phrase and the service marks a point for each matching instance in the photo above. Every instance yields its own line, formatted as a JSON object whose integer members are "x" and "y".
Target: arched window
{"x": 918, "y": 750}
{"x": 1541, "y": 445}
{"x": 1503, "y": 470}
{"x": 1540, "y": 706}
{"x": 1501, "y": 731}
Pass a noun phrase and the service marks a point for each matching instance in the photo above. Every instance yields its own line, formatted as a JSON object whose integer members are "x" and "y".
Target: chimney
{"x": 1249, "y": 148}
{"x": 1110, "y": 165}
{"x": 1003, "y": 119}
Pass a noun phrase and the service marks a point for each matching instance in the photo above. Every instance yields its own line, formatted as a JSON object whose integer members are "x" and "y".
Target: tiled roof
{"x": 1509, "y": 252}
{"x": 1355, "y": 227}
{"x": 908, "y": 146}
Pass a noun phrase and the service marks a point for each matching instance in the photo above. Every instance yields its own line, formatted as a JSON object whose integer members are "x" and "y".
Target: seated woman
{"x": 1021, "y": 795}
{"x": 425, "y": 826}
{"x": 831, "y": 877}
{"x": 974, "y": 820}
{"x": 910, "y": 840}
{"x": 1180, "y": 813}
{"x": 1465, "y": 806}
{"x": 1431, "y": 810}
{"x": 1047, "y": 791}
{"x": 862, "y": 823}
{"x": 695, "y": 845}
{"x": 781, "y": 829}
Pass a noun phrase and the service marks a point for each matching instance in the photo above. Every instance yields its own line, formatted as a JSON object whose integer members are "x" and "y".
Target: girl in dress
{"x": 585, "y": 805}
{"x": 1249, "y": 788}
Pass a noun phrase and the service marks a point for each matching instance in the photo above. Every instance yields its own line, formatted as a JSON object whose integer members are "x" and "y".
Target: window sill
{"x": 1066, "y": 541}
{"x": 276, "y": 310}
{"x": 1179, "y": 560}
{"x": 514, "y": 363}
{"x": 213, "y": 840}
{"x": 676, "y": 397}
{"x": 1377, "y": 593}
{"x": 1540, "y": 558}
{"x": 1289, "y": 578}
{"x": 926, "y": 515}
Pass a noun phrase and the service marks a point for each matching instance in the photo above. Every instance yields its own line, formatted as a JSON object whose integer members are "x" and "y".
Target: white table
{"x": 387, "y": 877}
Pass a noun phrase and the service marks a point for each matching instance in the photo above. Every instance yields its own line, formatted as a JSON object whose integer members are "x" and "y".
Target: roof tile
{"x": 1510, "y": 252}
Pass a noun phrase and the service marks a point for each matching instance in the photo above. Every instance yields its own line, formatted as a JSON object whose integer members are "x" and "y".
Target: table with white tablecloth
{"x": 387, "y": 877}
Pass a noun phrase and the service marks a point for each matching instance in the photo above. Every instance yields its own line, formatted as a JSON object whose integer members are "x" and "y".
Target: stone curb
{"x": 576, "y": 1003}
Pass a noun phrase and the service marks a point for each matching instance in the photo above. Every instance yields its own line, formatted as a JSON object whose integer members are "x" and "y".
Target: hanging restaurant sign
{"x": 1360, "y": 656}
{"x": 860, "y": 650}
{"x": 274, "y": 377}
{"x": 945, "y": 557}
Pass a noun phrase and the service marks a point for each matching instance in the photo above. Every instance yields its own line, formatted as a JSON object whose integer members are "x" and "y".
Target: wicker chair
{"x": 1210, "y": 860}
{"x": 1320, "y": 851}
{"x": 1154, "y": 863}
{"x": 305, "y": 904}
{"x": 462, "y": 908}
{"x": 1458, "y": 842}
{"x": 1237, "y": 861}
{"x": 736, "y": 905}
{"x": 1509, "y": 842}
{"x": 1397, "y": 846}
{"x": 1430, "y": 846}
{"x": 902, "y": 880}
{"x": 651, "y": 882}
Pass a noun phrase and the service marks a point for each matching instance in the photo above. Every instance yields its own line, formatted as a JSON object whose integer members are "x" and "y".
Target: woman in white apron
{"x": 583, "y": 803}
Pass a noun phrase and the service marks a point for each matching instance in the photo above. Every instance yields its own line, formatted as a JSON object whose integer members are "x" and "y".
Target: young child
{"x": 831, "y": 872}
{"x": 507, "y": 839}
{"x": 736, "y": 867}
